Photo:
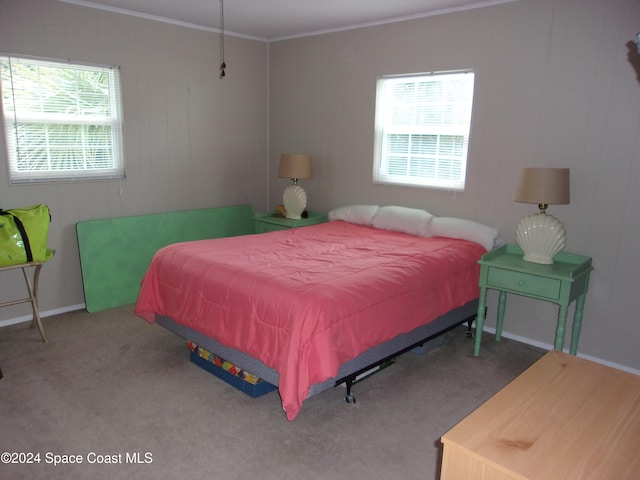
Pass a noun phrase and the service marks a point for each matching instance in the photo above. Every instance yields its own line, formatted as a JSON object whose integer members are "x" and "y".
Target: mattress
{"x": 306, "y": 301}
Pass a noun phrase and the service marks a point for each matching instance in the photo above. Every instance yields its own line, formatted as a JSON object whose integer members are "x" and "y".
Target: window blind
{"x": 422, "y": 129}
{"x": 63, "y": 121}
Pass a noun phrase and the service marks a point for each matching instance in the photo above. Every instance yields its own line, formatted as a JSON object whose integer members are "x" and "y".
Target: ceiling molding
{"x": 310, "y": 32}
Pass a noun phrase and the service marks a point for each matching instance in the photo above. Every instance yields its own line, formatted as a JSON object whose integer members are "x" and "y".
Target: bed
{"x": 308, "y": 307}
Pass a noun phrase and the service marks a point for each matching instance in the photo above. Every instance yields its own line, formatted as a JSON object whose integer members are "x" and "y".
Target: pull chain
{"x": 223, "y": 65}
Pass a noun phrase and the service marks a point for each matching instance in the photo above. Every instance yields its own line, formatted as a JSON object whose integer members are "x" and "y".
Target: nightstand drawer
{"x": 524, "y": 283}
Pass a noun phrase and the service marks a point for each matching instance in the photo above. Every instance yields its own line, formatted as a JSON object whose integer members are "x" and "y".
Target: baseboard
{"x": 43, "y": 314}
{"x": 548, "y": 346}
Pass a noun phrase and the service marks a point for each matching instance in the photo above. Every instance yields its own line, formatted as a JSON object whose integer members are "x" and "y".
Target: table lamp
{"x": 294, "y": 166}
{"x": 541, "y": 235}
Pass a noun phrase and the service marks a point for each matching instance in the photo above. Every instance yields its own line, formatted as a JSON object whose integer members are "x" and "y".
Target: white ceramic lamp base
{"x": 540, "y": 236}
{"x": 295, "y": 201}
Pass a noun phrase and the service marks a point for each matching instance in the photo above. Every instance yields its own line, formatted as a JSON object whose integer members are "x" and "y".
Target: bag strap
{"x": 23, "y": 234}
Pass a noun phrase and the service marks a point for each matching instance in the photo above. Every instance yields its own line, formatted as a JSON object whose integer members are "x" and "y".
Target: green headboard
{"x": 115, "y": 252}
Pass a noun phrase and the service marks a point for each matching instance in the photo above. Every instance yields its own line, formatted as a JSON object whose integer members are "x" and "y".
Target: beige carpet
{"x": 110, "y": 387}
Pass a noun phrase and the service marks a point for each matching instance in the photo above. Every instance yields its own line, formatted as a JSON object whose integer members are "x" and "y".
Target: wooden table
{"x": 563, "y": 418}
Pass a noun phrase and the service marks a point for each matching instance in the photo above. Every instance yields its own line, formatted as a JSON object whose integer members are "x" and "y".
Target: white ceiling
{"x": 279, "y": 19}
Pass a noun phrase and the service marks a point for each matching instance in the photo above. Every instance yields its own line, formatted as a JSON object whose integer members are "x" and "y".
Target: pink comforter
{"x": 305, "y": 300}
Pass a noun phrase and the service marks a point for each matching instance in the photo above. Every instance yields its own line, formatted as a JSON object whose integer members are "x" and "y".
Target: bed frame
{"x": 351, "y": 371}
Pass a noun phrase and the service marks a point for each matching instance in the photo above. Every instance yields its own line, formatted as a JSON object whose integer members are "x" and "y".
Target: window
{"x": 422, "y": 129}
{"x": 62, "y": 121}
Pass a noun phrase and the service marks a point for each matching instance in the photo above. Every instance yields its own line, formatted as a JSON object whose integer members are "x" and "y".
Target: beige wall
{"x": 191, "y": 139}
{"x": 554, "y": 87}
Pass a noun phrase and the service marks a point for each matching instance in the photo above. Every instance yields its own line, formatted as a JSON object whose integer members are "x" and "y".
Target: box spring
{"x": 362, "y": 362}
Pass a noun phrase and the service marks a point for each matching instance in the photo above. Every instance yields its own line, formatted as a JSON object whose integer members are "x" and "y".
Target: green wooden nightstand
{"x": 562, "y": 282}
{"x": 267, "y": 222}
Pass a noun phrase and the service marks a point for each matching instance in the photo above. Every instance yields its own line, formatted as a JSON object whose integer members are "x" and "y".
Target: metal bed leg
{"x": 362, "y": 374}
{"x": 349, "y": 398}
{"x": 469, "y": 332}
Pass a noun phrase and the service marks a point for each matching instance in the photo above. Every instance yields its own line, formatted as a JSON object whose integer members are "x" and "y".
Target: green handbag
{"x": 24, "y": 233}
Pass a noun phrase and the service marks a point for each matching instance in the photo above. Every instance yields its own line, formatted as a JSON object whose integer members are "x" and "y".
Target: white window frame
{"x": 411, "y": 151}
{"x": 59, "y": 138}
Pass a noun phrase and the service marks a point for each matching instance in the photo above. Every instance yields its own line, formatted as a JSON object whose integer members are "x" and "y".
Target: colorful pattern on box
{"x": 223, "y": 364}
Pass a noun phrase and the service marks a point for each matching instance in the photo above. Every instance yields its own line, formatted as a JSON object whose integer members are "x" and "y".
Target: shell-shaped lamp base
{"x": 540, "y": 236}
{"x": 295, "y": 201}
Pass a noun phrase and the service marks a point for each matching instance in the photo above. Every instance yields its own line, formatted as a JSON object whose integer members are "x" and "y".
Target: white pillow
{"x": 362, "y": 214}
{"x": 403, "y": 219}
{"x": 476, "y": 232}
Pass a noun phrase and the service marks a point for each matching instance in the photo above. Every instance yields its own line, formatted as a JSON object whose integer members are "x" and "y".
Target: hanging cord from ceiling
{"x": 223, "y": 65}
